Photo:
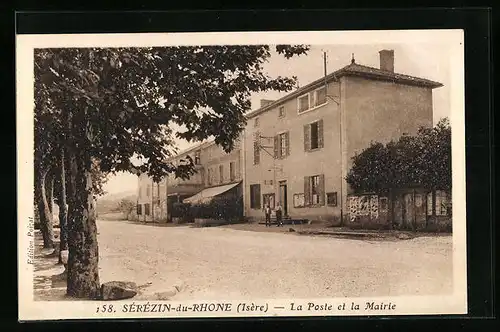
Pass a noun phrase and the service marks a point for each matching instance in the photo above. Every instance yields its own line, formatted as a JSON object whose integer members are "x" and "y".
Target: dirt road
{"x": 223, "y": 263}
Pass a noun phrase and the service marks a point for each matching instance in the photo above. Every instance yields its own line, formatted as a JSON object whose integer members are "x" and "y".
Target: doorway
{"x": 283, "y": 197}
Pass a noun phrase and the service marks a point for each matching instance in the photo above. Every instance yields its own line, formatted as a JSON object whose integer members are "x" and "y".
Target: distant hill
{"x": 109, "y": 202}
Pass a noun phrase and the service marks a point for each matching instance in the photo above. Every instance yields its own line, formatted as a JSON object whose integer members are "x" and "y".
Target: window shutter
{"x": 277, "y": 150}
{"x": 256, "y": 153}
{"x": 307, "y": 137}
{"x": 322, "y": 189}
{"x": 307, "y": 191}
{"x": 287, "y": 138}
{"x": 320, "y": 134}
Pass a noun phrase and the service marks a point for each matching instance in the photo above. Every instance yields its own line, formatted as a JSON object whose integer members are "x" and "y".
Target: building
{"x": 151, "y": 199}
{"x": 298, "y": 149}
{"x": 217, "y": 174}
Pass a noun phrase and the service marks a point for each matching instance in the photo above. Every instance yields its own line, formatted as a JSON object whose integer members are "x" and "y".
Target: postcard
{"x": 241, "y": 174}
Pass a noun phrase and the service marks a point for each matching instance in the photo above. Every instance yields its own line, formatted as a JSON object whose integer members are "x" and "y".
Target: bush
{"x": 181, "y": 210}
{"x": 219, "y": 209}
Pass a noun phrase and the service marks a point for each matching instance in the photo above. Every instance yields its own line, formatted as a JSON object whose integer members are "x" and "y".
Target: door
{"x": 283, "y": 197}
{"x": 408, "y": 210}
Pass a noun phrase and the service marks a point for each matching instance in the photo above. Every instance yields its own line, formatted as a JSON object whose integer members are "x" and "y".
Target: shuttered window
{"x": 282, "y": 145}
{"x": 256, "y": 153}
{"x": 313, "y": 136}
{"x": 147, "y": 209}
{"x": 232, "y": 171}
{"x": 314, "y": 190}
{"x": 221, "y": 173}
{"x": 303, "y": 103}
{"x": 281, "y": 111}
{"x": 139, "y": 209}
{"x": 255, "y": 196}
{"x": 320, "y": 96}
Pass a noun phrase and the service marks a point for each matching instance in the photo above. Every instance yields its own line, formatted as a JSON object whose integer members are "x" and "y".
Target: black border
{"x": 479, "y": 120}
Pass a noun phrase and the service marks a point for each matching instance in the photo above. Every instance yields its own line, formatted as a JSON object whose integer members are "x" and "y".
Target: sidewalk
{"x": 49, "y": 282}
{"x": 315, "y": 229}
{"x": 322, "y": 229}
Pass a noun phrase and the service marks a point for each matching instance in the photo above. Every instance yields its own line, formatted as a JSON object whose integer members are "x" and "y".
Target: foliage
{"x": 109, "y": 105}
{"x": 219, "y": 209}
{"x": 180, "y": 210}
{"x": 126, "y": 100}
{"x": 126, "y": 206}
{"x": 423, "y": 160}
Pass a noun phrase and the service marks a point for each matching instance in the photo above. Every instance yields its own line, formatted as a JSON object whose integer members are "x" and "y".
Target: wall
{"x": 156, "y": 197}
{"x": 382, "y": 111}
{"x": 299, "y": 163}
{"x": 213, "y": 156}
{"x": 403, "y": 209}
{"x": 379, "y": 111}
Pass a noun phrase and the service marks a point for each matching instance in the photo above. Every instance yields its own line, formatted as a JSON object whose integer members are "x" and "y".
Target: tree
{"x": 423, "y": 160}
{"x": 126, "y": 206}
{"x": 114, "y": 104}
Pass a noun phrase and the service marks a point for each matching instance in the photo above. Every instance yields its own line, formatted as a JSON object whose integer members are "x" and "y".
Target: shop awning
{"x": 207, "y": 194}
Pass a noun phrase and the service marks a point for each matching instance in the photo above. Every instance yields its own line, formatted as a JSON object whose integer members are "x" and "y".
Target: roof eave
{"x": 400, "y": 80}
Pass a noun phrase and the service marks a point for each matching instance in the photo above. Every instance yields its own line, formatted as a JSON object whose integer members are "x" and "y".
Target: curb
{"x": 357, "y": 235}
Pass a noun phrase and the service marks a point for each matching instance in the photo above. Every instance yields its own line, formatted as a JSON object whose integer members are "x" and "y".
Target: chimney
{"x": 265, "y": 102}
{"x": 387, "y": 60}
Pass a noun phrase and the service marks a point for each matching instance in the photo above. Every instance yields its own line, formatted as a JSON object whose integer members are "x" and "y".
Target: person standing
{"x": 279, "y": 219}
{"x": 267, "y": 211}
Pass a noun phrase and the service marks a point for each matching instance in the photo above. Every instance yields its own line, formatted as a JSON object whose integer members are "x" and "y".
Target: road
{"x": 223, "y": 263}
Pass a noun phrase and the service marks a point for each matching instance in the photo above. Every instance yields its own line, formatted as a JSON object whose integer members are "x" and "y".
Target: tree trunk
{"x": 83, "y": 273}
{"x": 46, "y": 221}
{"x": 63, "y": 209}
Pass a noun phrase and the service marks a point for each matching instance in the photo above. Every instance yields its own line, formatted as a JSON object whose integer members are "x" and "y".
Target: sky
{"x": 429, "y": 61}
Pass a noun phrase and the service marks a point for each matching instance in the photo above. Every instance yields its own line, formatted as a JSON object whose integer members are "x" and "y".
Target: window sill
{"x": 314, "y": 150}
{"x": 311, "y": 109}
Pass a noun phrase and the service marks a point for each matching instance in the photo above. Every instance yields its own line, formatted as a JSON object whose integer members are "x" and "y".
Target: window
{"x": 303, "y": 103}
{"x": 441, "y": 203}
{"x": 256, "y": 122}
{"x": 320, "y": 97}
{"x": 147, "y": 209}
{"x": 269, "y": 200}
{"x": 148, "y": 190}
{"x": 256, "y": 153}
{"x": 221, "y": 173}
{"x": 313, "y": 136}
{"x": 255, "y": 196}
{"x": 331, "y": 199}
{"x": 298, "y": 200}
{"x": 209, "y": 177}
{"x": 281, "y": 111}
{"x": 312, "y": 100}
{"x": 197, "y": 159}
{"x": 282, "y": 145}
{"x": 232, "y": 171}
{"x": 314, "y": 190}
{"x": 139, "y": 209}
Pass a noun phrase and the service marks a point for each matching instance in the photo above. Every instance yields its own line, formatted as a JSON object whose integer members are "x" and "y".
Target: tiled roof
{"x": 375, "y": 73}
{"x": 353, "y": 69}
